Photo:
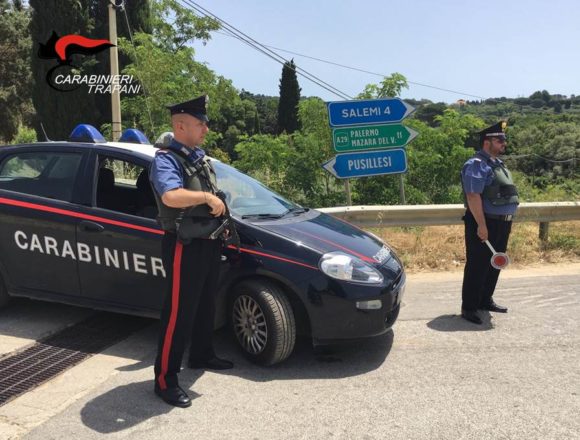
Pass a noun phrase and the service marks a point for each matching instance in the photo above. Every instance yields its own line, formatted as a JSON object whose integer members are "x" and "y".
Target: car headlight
{"x": 349, "y": 268}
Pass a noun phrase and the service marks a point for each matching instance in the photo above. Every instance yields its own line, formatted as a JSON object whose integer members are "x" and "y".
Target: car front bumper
{"x": 337, "y": 317}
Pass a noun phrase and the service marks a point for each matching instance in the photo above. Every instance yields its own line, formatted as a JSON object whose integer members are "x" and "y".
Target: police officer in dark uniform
{"x": 184, "y": 185}
{"x": 491, "y": 200}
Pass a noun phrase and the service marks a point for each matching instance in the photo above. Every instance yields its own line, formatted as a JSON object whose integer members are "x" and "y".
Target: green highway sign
{"x": 372, "y": 137}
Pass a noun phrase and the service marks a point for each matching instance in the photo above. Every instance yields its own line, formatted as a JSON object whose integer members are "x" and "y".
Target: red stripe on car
{"x": 275, "y": 257}
{"x": 77, "y": 215}
{"x": 361, "y": 256}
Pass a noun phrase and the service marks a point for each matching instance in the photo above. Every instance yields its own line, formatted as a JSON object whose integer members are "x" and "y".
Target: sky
{"x": 485, "y": 48}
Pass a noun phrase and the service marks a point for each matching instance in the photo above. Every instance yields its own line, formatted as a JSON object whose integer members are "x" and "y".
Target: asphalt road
{"x": 435, "y": 376}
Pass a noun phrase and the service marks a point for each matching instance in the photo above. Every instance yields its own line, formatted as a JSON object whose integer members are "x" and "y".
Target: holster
{"x": 196, "y": 222}
{"x": 189, "y": 228}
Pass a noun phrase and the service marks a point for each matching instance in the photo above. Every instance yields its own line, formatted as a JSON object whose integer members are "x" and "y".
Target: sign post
{"x": 370, "y": 137}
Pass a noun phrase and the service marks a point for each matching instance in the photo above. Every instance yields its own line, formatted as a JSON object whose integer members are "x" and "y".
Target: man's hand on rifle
{"x": 217, "y": 206}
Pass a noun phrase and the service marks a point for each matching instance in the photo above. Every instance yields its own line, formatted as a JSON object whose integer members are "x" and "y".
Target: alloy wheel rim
{"x": 250, "y": 324}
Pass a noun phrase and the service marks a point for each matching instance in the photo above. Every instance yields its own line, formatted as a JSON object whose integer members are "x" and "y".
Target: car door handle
{"x": 224, "y": 258}
{"x": 91, "y": 226}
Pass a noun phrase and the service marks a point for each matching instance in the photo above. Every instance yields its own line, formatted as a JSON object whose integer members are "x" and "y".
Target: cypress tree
{"x": 58, "y": 111}
{"x": 15, "y": 78}
{"x": 289, "y": 97}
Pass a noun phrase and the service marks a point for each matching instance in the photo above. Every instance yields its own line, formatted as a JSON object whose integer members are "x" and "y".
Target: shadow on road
{"x": 128, "y": 405}
{"x": 307, "y": 362}
{"x": 455, "y": 323}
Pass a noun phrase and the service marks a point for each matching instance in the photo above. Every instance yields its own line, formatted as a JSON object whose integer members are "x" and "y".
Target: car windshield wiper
{"x": 275, "y": 216}
{"x": 297, "y": 211}
{"x": 265, "y": 216}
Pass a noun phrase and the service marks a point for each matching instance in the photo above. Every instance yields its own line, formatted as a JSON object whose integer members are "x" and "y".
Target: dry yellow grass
{"x": 442, "y": 248}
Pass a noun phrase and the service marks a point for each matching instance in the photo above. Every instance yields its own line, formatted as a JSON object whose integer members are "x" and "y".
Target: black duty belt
{"x": 504, "y": 218}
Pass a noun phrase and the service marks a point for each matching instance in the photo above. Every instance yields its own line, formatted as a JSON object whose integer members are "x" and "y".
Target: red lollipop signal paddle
{"x": 499, "y": 260}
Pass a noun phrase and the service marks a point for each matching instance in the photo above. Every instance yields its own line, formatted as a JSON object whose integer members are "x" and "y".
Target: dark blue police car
{"x": 77, "y": 226}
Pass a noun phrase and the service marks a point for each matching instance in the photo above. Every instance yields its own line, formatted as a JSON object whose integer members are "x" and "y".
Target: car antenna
{"x": 44, "y": 132}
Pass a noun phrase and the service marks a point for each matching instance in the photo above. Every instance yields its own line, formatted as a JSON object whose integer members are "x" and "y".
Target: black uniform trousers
{"x": 479, "y": 277}
{"x": 192, "y": 273}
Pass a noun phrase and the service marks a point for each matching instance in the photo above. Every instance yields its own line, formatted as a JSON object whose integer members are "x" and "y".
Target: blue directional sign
{"x": 368, "y": 111}
{"x": 367, "y": 163}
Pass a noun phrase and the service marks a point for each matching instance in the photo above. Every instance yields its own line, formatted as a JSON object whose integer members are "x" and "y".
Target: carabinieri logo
{"x": 63, "y": 48}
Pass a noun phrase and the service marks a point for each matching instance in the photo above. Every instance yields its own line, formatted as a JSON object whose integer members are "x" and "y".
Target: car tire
{"x": 263, "y": 321}
{"x": 4, "y": 297}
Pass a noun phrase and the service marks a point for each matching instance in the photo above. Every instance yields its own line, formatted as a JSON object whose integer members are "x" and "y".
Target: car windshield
{"x": 246, "y": 197}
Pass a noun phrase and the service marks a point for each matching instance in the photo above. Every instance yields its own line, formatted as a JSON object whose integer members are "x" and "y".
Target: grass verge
{"x": 442, "y": 248}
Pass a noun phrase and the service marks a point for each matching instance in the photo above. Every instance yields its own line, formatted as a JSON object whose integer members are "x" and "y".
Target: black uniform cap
{"x": 196, "y": 107}
{"x": 496, "y": 130}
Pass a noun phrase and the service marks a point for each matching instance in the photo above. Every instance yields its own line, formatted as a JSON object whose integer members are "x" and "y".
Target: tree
{"x": 381, "y": 189}
{"x": 15, "y": 75}
{"x": 388, "y": 87}
{"x": 267, "y": 111}
{"x": 289, "y": 99}
{"x": 313, "y": 146}
{"x": 522, "y": 101}
{"x": 290, "y": 164}
{"x": 428, "y": 113}
{"x": 174, "y": 25}
{"x": 543, "y": 95}
{"x": 548, "y": 149}
{"x": 60, "y": 111}
{"x": 165, "y": 76}
{"x": 266, "y": 158}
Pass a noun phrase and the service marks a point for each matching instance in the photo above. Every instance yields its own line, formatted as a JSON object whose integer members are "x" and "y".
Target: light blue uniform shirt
{"x": 476, "y": 175}
{"x": 166, "y": 173}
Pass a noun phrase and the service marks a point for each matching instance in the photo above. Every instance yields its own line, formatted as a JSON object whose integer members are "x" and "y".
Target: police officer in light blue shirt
{"x": 167, "y": 174}
{"x": 185, "y": 189}
{"x": 491, "y": 200}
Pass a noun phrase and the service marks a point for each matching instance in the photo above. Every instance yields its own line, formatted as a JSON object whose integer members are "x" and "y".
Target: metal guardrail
{"x": 412, "y": 215}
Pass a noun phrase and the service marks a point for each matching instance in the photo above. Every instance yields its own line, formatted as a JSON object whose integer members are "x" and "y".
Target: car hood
{"x": 325, "y": 233}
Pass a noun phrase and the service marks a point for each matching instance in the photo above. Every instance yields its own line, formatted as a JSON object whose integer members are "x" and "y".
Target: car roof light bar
{"x": 86, "y": 133}
{"x": 134, "y": 136}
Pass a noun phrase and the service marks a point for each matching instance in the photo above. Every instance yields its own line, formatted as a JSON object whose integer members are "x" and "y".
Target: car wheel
{"x": 4, "y": 297}
{"x": 263, "y": 322}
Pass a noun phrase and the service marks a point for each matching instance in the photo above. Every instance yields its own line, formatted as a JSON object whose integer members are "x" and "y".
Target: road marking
{"x": 551, "y": 299}
{"x": 531, "y": 298}
{"x": 571, "y": 303}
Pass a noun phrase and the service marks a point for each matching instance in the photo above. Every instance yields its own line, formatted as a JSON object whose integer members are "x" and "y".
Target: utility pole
{"x": 402, "y": 190}
{"x": 347, "y": 191}
{"x": 114, "y": 58}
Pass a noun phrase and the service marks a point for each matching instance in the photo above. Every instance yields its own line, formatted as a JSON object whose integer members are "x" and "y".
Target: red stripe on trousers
{"x": 173, "y": 315}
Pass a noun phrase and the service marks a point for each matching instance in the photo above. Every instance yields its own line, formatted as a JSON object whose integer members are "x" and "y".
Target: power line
{"x": 364, "y": 71}
{"x": 382, "y": 75}
{"x": 520, "y": 156}
{"x": 236, "y": 33}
